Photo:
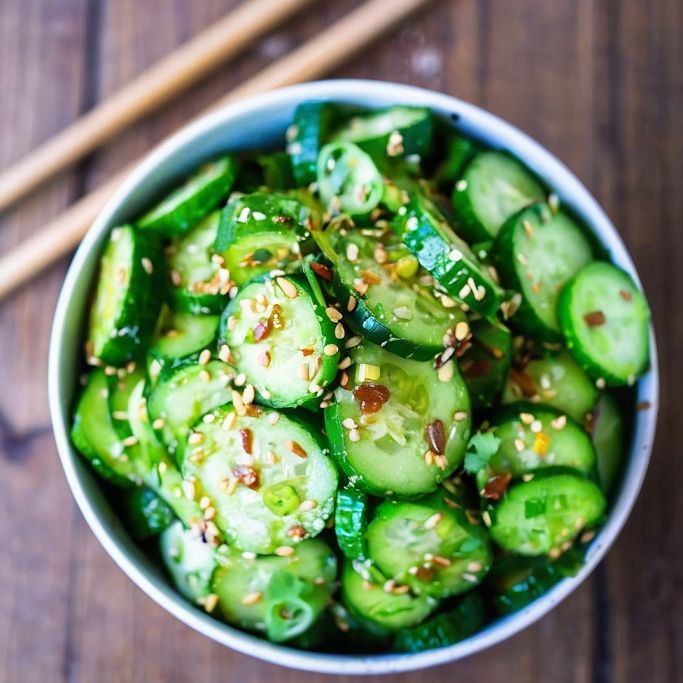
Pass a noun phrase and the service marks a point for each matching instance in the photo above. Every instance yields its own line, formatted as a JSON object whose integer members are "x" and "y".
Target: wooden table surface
{"x": 599, "y": 82}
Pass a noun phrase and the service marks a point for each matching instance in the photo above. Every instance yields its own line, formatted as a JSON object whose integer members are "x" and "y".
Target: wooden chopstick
{"x": 319, "y": 56}
{"x": 170, "y": 76}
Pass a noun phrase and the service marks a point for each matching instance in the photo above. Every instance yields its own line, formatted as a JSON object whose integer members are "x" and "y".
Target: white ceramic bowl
{"x": 260, "y": 122}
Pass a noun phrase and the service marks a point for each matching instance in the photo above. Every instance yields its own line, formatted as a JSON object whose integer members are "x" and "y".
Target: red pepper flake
{"x": 247, "y": 476}
{"x": 321, "y": 270}
{"x": 435, "y": 436}
{"x": 305, "y": 351}
{"x": 476, "y": 368}
{"x": 371, "y": 396}
{"x": 524, "y": 381}
{"x": 496, "y": 486}
{"x": 247, "y": 437}
{"x": 263, "y": 329}
{"x": 424, "y": 574}
{"x": 253, "y": 410}
{"x": 626, "y": 296}
{"x": 295, "y": 448}
{"x": 370, "y": 278}
{"x": 595, "y": 318}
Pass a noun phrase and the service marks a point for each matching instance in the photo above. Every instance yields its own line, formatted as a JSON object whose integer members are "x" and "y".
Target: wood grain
{"x": 600, "y": 82}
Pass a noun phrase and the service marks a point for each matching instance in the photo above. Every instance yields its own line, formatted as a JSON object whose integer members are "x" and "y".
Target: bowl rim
{"x": 375, "y": 93}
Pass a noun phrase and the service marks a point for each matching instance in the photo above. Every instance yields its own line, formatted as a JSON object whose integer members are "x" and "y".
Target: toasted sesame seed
{"x": 403, "y": 313}
{"x": 389, "y": 585}
{"x": 343, "y": 379}
{"x": 333, "y": 314}
{"x": 519, "y": 445}
{"x": 429, "y": 457}
{"x": 536, "y": 426}
{"x": 195, "y": 438}
{"x": 600, "y": 383}
{"x": 486, "y": 517}
{"x": 204, "y": 357}
{"x": 209, "y": 602}
{"x": 308, "y": 505}
{"x": 432, "y": 522}
{"x": 252, "y": 598}
{"x": 459, "y": 416}
{"x": 560, "y": 422}
{"x": 248, "y": 555}
{"x": 455, "y": 255}
{"x": 129, "y": 441}
{"x": 209, "y": 512}
{"x": 447, "y": 302}
{"x": 249, "y": 394}
{"x": 229, "y": 421}
{"x": 526, "y": 418}
{"x": 464, "y": 292}
{"x": 461, "y": 185}
{"x": 240, "y": 408}
{"x": 289, "y": 290}
{"x": 339, "y": 331}
{"x": 441, "y": 561}
{"x": 176, "y": 278}
{"x": 349, "y": 423}
{"x": 331, "y": 350}
{"x": 470, "y": 578}
{"x": 204, "y": 502}
{"x": 351, "y": 304}
{"x": 344, "y": 363}
{"x": 303, "y": 371}
{"x": 354, "y": 435}
{"x": 352, "y": 341}
{"x": 352, "y": 252}
{"x": 147, "y": 265}
{"x": 446, "y": 371}
{"x": 119, "y": 415}
{"x": 462, "y": 329}
{"x": 240, "y": 380}
{"x": 284, "y": 551}
{"x": 273, "y": 418}
{"x": 205, "y": 376}
{"x": 189, "y": 489}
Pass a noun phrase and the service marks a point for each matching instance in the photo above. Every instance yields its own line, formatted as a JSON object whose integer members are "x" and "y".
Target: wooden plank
{"x": 640, "y": 149}
{"x": 41, "y": 49}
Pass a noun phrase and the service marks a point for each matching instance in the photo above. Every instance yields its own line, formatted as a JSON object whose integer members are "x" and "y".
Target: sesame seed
{"x": 343, "y": 379}
{"x": 209, "y": 602}
{"x": 470, "y": 578}
{"x": 462, "y": 329}
{"x": 249, "y": 394}
{"x": 284, "y": 551}
{"x": 331, "y": 350}
{"x": 119, "y": 415}
{"x": 314, "y": 388}
{"x": 459, "y": 416}
{"x": 287, "y": 287}
{"x": 432, "y": 521}
{"x": 240, "y": 380}
{"x": 189, "y": 489}
{"x": 204, "y": 357}
{"x": 344, "y": 363}
{"x": 229, "y": 421}
{"x": 252, "y": 598}
{"x": 352, "y": 252}
{"x": 559, "y": 422}
{"x": 273, "y": 418}
{"x": 600, "y": 383}
{"x": 295, "y": 448}
{"x": 248, "y": 555}
{"x": 303, "y": 371}
{"x": 264, "y": 359}
{"x": 333, "y": 314}
{"x": 526, "y": 418}
{"x": 349, "y": 423}
{"x": 129, "y": 441}
{"x": 536, "y": 426}
{"x": 339, "y": 331}
{"x": 528, "y": 228}
{"x": 205, "y": 376}
{"x": 441, "y": 561}
{"x": 209, "y": 512}
{"x": 352, "y": 341}
{"x": 389, "y": 585}
{"x": 195, "y": 438}
{"x": 429, "y": 457}
{"x": 519, "y": 445}
{"x": 403, "y": 313}
{"x": 354, "y": 435}
{"x": 238, "y": 403}
{"x": 461, "y": 185}
{"x": 147, "y": 265}
{"x": 486, "y": 517}
{"x": 176, "y": 278}
{"x": 445, "y": 372}
{"x": 204, "y": 502}
{"x": 464, "y": 292}
{"x": 308, "y": 505}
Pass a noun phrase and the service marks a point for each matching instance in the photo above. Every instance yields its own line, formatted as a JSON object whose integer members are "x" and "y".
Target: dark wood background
{"x": 599, "y": 82}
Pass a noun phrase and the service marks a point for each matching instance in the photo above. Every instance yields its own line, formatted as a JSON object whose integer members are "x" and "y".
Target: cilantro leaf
{"x": 480, "y": 449}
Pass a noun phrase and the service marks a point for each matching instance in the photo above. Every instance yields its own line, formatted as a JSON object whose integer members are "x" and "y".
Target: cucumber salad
{"x": 364, "y": 393}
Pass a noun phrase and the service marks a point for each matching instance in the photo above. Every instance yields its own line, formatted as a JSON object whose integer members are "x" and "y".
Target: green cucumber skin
{"x": 138, "y": 312}
{"x": 417, "y": 139}
{"x": 608, "y": 437}
{"x": 350, "y": 523}
{"x": 145, "y": 513}
{"x": 467, "y": 218}
{"x": 574, "y": 338}
{"x": 444, "y": 629}
{"x": 215, "y": 178}
{"x": 540, "y": 217}
{"x": 461, "y": 151}
{"x": 313, "y": 122}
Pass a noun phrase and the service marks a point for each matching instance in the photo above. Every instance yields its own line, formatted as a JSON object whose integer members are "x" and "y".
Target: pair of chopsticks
{"x": 323, "y": 53}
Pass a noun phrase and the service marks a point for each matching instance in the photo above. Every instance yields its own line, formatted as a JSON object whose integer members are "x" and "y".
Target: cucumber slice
{"x": 555, "y": 380}
{"x": 363, "y": 593}
{"x": 267, "y": 475}
{"x": 392, "y": 302}
{"x": 260, "y": 232}
{"x": 447, "y": 257}
{"x": 384, "y": 451}
{"x": 200, "y": 195}
{"x": 608, "y": 437}
{"x": 180, "y": 335}
{"x": 485, "y": 362}
{"x": 538, "y": 251}
{"x": 273, "y": 170}
{"x": 197, "y": 281}
{"x": 394, "y": 131}
{"x": 282, "y": 341}
{"x": 282, "y": 596}
{"x": 183, "y": 393}
{"x": 127, "y": 298}
{"x": 93, "y": 433}
{"x": 145, "y": 513}
{"x": 154, "y": 465}
{"x": 544, "y": 515}
{"x": 120, "y": 390}
{"x": 493, "y": 187}
{"x": 350, "y": 523}
{"x": 459, "y": 152}
{"x": 516, "y": 582}
{"x": 348, "y": 180}
{"x": 429, "y": 546}
{"x": 189, "y": 560}
{"x": 534, "y": 437}
{"x": 313, "y": 122}
{"x": 606, "y": 322}
{"x": 444, "y": 629}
